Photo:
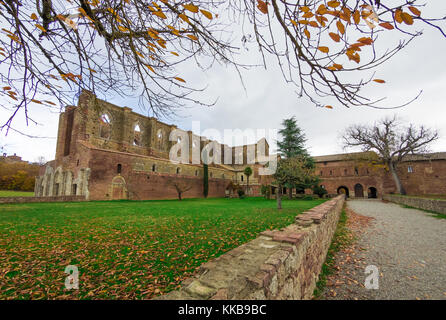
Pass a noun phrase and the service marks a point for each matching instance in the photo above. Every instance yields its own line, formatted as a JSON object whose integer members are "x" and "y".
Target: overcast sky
{"x": 268, "y": 100}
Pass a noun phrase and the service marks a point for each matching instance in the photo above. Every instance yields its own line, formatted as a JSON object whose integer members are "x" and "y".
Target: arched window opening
{"x": 119, "y": 168}
{"x": 178, "y": 170}
{"x": 137, "y": 136}
{"x": 160, "y": 136}
{"x": 104, "y": 126}
{"x": 153, "y": 168}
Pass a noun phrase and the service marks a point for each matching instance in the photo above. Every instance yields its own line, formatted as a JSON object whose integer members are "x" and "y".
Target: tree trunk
{"x": 179, "y": 196}
{"x": 247, "y": 185}
{"x": 279, "y": 197}
{"x": 290, "y": 193}
{"x": 396, "y": 179}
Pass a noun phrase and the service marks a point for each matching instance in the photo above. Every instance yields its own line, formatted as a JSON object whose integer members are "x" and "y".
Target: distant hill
{"x": 17, "y": 175}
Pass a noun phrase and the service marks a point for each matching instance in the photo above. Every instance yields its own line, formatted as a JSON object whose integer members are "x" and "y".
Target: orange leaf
{"x": 407, "y": 18}
{"x": 338, "y": 66}
{"x": 191, "y": 36}
{"x": 335, "y": 36}
{"x": 386, "y": 25}
{"x": 262, "y": 6}
{"x": 367, "y": 41}
{"x": 304, "y": 9}
{"x": 6, "y": 88}
{"x": 415, "y": 11}
{"x": 324, "y": 49}
{"x": 341, "y": 27}
{"x": 191, "y": 7}
{"x": 174, "y": 53}
{"x": 179, "y": 79}
{"x": 33, "y": 16}
{"x": 40, "y": 27}
{"x": 184, "y": 17}
{"x": 356, "y": 17}
{"x": 321, "y": 20}
{"x": 379, "y": 80}
{"x": 36, "y": 101}
{"x": 333, "y": 4}
{"x": 207, "y": 14}
{"x": 293, "y": 22}
{"x": 329, "y": 107}
{"x": 307, "y": 33}
{"x": 313, "y": 24}
{"x": 160, "y": 14}
{"x": 308, "y": 15}
{"x": 150, "y": 68}
{"x": 321, "y": 9}
{"x": 398, "y": 16}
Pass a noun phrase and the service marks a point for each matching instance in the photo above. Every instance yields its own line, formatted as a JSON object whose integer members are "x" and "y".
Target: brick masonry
{"x": 40, "y": 199}
{"x": 279, "y": 264}
{"x": 420, "y": 203}
{"x": 419, "y": 176}
{"x": 127, "y": 157}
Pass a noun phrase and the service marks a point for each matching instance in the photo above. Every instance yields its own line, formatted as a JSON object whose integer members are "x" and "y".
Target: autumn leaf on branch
{"x": 139, "y": 47}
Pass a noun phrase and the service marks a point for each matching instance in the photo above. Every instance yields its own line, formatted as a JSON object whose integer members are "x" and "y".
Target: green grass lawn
{"x": 124, "y": 249}
{"x": 11, "y": 193}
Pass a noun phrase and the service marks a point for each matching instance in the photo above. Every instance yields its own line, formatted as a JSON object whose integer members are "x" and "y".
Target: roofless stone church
{"x": 107, "y": 152}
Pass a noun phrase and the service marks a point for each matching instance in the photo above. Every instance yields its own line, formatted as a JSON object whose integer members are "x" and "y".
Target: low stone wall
{"x": 420, "y": 203}
{"x": 279, "y": 264}
{"x": 41, "y": 199}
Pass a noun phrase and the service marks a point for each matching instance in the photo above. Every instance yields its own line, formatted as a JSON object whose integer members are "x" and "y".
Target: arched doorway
{"x": 118, "y": 188}
{"x": 373, "y": 193}
{"x": 359, "y": 191}
{"x": 343, "y": 190}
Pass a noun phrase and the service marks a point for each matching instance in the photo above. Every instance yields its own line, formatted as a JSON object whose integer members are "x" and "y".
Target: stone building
{"x": 11, "y": 159}
{"x": 109, "y": 152}
{"x": 106, "y": 152}
{"x": 350, "y": 174}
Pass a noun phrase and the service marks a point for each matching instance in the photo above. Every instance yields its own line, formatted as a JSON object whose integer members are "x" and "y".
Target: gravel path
{"x": 407, "y": 245}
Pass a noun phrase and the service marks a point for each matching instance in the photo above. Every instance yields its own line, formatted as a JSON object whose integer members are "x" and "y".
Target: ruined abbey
{"x": 107, "y": 152}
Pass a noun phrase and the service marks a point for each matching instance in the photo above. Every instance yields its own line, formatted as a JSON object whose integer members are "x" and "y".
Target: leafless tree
{"x": 180, "y": 186}
{"x": 392, "y": 141}
{"x": 51, "y": 49}
{"x": 41, "y": 160}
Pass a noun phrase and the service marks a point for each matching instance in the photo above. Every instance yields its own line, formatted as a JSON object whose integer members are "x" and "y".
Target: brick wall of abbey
{"x": 109, "y": 152}
{"x": 419, "y": 176}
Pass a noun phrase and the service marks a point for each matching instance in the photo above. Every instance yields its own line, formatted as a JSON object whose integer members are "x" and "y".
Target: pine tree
{"x": 293, "y": 142}
{"x": 291, "y": 146}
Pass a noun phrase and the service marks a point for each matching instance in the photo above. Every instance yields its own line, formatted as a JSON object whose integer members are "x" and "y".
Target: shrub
{"x": 241, "y": 193}
{"x": 318, "y": 190}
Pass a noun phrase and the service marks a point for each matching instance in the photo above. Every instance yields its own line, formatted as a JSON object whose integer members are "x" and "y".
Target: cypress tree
{"x": 205, "y": 180}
